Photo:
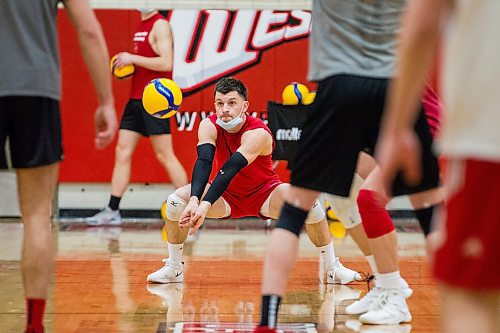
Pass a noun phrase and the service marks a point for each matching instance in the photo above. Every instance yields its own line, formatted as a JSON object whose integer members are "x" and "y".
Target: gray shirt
{"x": 29, "y": 54}
{"x": 356, "y": 37}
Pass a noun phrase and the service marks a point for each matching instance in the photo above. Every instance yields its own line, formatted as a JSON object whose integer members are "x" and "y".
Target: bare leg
{"x": 127, "y": 142}
{"x": 162, "y": 145}
{"x": 384, "y": 248}
{"x": 36, "y": 190}
{"x": 282, "y": 247}
{"x": 172, "y": 271}
{"x": 318, "y": 233}
{"x": 359, "y": 236}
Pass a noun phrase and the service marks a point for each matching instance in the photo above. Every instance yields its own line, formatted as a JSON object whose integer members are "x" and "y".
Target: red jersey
{"x": 253, "y": 184}
{"x": 143, "y": 76}
{"x": 432, "y": 108}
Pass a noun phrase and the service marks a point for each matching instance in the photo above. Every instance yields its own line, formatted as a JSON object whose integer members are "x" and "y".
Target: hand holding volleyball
{"x": 162, "y": 98}
{"x": 121, "y": 72}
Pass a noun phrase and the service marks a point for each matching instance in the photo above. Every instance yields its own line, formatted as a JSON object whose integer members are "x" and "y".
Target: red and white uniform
{"x": 253, "y": 184}
{"x": 143, "y": 76}
{"x": 470, "y": 139}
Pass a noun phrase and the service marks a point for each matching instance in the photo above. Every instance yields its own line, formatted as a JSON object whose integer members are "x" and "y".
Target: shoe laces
{"x": 383, "y": 301}
{"x": 368, "y": 278}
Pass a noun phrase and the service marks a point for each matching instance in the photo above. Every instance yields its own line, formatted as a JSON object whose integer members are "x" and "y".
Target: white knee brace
{"x": 346, "y": 209}
{"x": 173, "y": 207}
{"x": 316, "y": 213}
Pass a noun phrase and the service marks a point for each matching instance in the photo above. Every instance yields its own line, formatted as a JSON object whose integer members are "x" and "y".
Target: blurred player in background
{"x": 153, "y": 58}
{"x": 30, "y": 90}
{"x": 467, "y": 247}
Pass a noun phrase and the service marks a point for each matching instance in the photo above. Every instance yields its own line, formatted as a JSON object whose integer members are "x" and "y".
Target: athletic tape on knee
{"x": 316, "y": 214}
{"x": 175, "y": 207}
{"x": 291, "y": 219}
{"x": 346, "y": 209}
{"x": 376, "y": 219}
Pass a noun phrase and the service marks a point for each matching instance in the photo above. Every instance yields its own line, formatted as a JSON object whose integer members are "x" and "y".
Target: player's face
{"x": 230, "y": 105}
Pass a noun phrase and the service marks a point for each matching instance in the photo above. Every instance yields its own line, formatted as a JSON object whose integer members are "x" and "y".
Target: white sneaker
{"x": 340, "y": 274}
{"x": 363, "y": 305}
{"x": 168, "y": 273}
{"x": 389, "y": 308}
{"x": 107, "y": 216}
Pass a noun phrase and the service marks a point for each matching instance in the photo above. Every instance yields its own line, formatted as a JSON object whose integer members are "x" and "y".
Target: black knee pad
{"x": 292, "y": 219}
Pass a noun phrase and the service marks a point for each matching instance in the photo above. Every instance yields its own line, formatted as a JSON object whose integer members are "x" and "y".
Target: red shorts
{"x": 249, "y": 204}
{"x": 470, "y": 254}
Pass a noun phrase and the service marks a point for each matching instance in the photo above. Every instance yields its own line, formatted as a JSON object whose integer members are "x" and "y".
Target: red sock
{"x": 35, "y": 311}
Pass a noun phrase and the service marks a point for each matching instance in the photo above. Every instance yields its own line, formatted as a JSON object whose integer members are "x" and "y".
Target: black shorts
{"x": 136, "y": 119}
{"x": 32, "y": 126}
{"x": 344, "y": 121}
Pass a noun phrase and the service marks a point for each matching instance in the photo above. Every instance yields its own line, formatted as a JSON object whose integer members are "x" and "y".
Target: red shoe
{"x": 264, "y": 329}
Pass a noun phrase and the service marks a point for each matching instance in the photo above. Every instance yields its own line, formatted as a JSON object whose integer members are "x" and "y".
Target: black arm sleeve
{"x": 234, "y": 164}
{"x": 202, "y": 169}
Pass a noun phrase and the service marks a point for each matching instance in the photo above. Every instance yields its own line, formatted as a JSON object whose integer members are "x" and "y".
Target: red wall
{"x": 278, "y": 66}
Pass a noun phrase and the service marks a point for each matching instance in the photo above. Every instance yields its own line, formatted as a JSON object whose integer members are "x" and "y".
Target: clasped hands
{"x": 194, "y": 214}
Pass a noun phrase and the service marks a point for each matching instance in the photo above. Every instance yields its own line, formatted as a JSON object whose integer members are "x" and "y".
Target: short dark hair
{"x": 228, "y": 84}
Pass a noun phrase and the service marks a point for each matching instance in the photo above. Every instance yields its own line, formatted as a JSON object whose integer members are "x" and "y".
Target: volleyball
{"x": 294, "y": 93}
{"x": 123, "y": 72}
{"x": 162, "y": 98}
{"x": 309, "y": 98}
{"x": 337, "y": 229}
{"x": 329, "y": 212}
{"x": 163, "y": 210}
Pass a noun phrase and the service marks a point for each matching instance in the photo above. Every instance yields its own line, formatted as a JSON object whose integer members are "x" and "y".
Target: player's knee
{"x": 174, "y": 207}
{"x": 316, "y": 214}
{"x": 291, "y": 219}
{"x": 123, "y": 154}
{"x": 346, "y": 210}
{"x": 376, "y": 220}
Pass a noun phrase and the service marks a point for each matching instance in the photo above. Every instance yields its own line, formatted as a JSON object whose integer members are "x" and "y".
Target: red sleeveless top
{"x": 142, "y": 76}
{"x": 254, "y": 183}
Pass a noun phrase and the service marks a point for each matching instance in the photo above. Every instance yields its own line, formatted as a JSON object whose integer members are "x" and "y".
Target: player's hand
{"x": 105, "y": 124}
{"x": 199, "y": 216}
{"x": 399, "y": 151}
{"x": 188, "y": 212}
{"x": 123, "y": 59}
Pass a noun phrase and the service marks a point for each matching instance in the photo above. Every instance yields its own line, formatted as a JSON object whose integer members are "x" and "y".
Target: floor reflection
{"x": 100, "y": 284}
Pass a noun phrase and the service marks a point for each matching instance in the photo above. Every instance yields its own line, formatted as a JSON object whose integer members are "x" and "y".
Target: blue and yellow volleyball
{"x": 294, "y": 93}
{"x": 162, "y": 98}
{"x": 309, "y": 98}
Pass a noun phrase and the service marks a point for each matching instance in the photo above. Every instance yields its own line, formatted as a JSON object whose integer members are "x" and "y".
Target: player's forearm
{"x": 202, "y": 169}
{"x": 226, "y": 174}
{"x": 96, "y": 57}
{"x": 160, "y": 64}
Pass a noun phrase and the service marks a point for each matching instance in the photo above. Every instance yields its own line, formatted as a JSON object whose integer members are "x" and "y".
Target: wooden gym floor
{"x": 100, "y": 282}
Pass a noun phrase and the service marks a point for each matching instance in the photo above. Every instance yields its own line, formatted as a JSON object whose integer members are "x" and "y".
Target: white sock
{"x": 175, "y": 253}
{"x": 328, "y": 255}
{"x": 391, "y": 280}
{"x": 372, "y": 263}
